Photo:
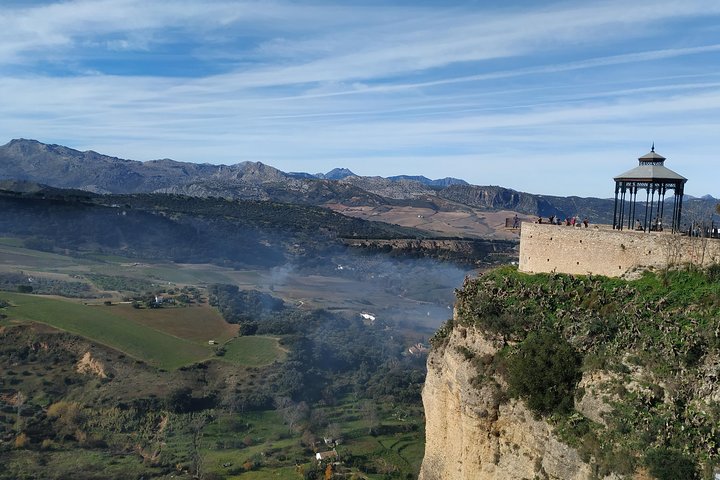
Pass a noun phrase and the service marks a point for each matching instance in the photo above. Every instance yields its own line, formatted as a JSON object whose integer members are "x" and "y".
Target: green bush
{"x": 544, "y": 371}
{"x": 666, "y": 464}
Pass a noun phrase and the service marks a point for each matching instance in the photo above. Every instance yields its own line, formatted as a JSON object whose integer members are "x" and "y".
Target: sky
{"x": 545, "y": 97}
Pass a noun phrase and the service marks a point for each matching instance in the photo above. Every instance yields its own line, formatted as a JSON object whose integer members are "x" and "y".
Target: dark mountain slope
{"x": 179, "y": 228}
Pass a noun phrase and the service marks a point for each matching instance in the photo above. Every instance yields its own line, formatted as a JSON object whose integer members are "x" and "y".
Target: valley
{"x": 140, "y": 384}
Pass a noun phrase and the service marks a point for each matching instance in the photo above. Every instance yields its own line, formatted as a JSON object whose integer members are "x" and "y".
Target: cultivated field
{"x": 197, "y": 323}
{"x": 100, "y": 324}
{"x": 470, "y": 222}
{"x": 165, "y": 337}
{"x": 253, "y": 351}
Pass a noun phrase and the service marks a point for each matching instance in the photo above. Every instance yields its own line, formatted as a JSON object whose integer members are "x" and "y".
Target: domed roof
{"x": 651, "y": 169}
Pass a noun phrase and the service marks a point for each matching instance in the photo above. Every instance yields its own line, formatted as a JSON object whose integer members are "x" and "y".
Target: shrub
{"x": 22, "y": 441}
{"x": 666, "y": 464}
{"x": 544, "y": 371}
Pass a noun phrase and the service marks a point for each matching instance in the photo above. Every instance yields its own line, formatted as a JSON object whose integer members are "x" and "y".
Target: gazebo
{"x": 656, "y": 179}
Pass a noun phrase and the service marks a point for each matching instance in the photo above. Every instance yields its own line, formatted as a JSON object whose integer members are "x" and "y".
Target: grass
{"x": 100, "y": 324}
{"x": 75, "y": 463}
{"x": 253, "y": 351}
{"x": 277, "y": 450}
{"x": 197, "y": 323}
{"x": 167, "y": 338}
{"x": 11, "y": 241}
{"x": 282, "y": 473}
{"x": 175, "y": 274}
{"x": 23, "y": 258}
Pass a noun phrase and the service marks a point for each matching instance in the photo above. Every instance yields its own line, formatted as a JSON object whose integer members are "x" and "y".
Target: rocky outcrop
{"x": 463, "y": 251}
{"x": 618, "y": 375}
{"x": 472, "y": 432}
{"x": 92, "y": 366}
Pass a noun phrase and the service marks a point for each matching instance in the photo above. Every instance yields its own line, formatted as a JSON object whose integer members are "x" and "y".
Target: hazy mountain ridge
{"x": 440, "y": 182}
{"x": 63, "y": 167}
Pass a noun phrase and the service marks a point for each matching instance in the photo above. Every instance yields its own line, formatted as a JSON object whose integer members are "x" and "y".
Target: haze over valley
{"x": 258, "y": 306}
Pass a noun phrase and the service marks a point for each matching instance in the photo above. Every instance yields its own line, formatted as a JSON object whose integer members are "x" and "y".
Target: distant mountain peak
{"x": 441, "y": 182}
{"x": 337, "y": 174}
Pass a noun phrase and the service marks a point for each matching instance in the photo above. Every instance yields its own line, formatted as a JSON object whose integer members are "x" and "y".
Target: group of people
{"x": 702, "y": 229}
{"x": 569, "y": 221}
{"x": 655, "y": 226}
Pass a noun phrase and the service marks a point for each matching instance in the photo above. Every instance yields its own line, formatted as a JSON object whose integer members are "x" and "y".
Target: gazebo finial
{"x": 653, "y": 147}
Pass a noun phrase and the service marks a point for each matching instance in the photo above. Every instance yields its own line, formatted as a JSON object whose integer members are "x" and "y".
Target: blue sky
{"x": 544, "y": 97}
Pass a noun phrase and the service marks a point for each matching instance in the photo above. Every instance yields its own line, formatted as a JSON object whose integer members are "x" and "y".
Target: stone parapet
{"x": 600, "y": 250}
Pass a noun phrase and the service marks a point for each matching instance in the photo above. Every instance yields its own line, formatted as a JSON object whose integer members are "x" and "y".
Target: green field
{"x": 23, "y": 258}
{"x": 166, "y": 338}
{"x": 100, "y": 324}
{"x": 253, "y": 351}
{"x": 198, "y": 323}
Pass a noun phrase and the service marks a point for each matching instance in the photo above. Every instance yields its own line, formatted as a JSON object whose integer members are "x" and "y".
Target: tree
{"x": 196, "y": 427}
{"x": 666, "y": 464}
{"x": 179, "y": 400}
{"x": 19, "y": 402}
{"x": 544, "y": 371}
{"x": 22, "y": 441}
{"x": 370, "y": 415}
{"x": 334, "y": 431}
{"x": 308, "y": 438}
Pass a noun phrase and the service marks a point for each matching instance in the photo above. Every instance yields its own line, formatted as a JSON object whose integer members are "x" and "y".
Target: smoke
{"x": 414, "y": 294}
{"x": 278, "y": 276}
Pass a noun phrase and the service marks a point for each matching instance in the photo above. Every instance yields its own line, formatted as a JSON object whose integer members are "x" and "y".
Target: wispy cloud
{"x": 490, "y": 95}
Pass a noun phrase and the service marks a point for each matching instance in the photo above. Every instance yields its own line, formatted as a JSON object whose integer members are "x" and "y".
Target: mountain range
{"x": 449, "y": 206}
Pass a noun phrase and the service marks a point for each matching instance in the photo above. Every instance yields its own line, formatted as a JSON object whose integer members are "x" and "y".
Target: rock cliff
{"x": 475, "y": 433}
{"x": 551, "y": 376}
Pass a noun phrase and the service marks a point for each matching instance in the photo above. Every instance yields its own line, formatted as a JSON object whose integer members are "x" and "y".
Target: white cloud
{"x": 464, "y": 91}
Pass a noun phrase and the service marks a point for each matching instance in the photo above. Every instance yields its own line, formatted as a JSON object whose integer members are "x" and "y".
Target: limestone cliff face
{"x": 473, "y": 432}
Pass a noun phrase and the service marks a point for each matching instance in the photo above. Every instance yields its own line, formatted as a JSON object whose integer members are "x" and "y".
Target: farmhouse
{"x": 418, "y": 349}
{"x": 326, "y": 456}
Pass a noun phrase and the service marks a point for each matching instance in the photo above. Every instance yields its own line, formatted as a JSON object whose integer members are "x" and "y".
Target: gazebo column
{"x": 615, "y": 211}
{"x": 647, "y": 201}
{"x": 630, "y": 205}
{"x": 634, "y": 207}
{"x": 652, "y": 204}
{"x": 623, "y": 195}
{"x": 633, "y": 202}
{"x": 680, "y": 202}
{"x": 662, "y": 204}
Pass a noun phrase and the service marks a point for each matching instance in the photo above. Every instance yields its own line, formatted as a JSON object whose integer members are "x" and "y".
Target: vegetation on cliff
{"x": 650, "y": 347}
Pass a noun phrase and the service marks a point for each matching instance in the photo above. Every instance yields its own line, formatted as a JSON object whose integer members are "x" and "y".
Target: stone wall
{"x": 599, "y": 250}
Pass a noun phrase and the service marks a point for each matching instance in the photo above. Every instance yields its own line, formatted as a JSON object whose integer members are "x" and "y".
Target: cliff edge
{"x": 473, "y": 432}
{"x": 550, "y": 376}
